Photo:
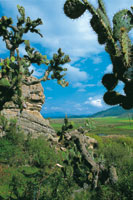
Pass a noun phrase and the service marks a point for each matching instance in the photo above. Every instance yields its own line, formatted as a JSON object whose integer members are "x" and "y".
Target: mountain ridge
{"x": 110, "y": 112}
{"x": 114, "y": 111}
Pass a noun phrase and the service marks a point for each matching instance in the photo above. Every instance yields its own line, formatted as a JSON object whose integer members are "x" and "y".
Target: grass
{"x": 101, "y": 126}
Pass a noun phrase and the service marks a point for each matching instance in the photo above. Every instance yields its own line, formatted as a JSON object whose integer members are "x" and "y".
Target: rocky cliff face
{"x": 30, "y": 120}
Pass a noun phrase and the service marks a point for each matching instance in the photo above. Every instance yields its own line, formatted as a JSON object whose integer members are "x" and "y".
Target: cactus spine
{"x": 117, "y": 44}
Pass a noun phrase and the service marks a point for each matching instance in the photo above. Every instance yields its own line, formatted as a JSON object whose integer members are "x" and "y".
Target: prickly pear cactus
{"x": 117, "y": 44}
{"x": 74, "y": 9}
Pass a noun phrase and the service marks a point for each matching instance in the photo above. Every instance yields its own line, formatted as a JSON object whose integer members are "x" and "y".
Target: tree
{"x": 14, "y": 69}
{"x": 117, "y": 44}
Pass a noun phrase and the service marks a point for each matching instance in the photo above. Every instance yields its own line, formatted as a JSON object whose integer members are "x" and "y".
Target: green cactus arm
{"x": 54, "y": 67}
{"x": 123, "y": 18}
{"x": 125, "y": 47}
{"x": 112, "y": 47}
{"x": 102, "y": 22}
{"x": 102, "y": 7}
{"x": 105, "y": 18}
{"x": 90, "y": 7}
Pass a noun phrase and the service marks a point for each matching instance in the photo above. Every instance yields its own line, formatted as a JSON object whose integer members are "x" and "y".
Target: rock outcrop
{"x": 30, "y": 120}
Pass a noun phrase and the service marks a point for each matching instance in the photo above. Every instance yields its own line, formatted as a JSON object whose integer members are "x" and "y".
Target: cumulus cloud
{"x": 94, "y": 101}
{"x": 74, "y": 74}
{"x": 75, "y": 37}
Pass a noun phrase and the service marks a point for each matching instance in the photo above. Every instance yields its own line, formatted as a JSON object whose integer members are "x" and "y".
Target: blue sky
{"x": 89, "y": 61}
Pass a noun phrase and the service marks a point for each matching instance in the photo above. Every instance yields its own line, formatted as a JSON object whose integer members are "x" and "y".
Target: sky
{"x": 89, "y": 61}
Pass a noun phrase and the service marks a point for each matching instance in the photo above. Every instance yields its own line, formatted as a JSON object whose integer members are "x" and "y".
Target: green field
{"x": 99, "y": 126}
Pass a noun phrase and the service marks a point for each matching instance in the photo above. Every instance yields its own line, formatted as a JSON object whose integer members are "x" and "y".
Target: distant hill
{"x": 114, "y": 111}
{"x": 62, "y": 115}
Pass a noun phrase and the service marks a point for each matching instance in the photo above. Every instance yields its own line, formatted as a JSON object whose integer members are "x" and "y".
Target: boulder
{"x": 30, "y": 120}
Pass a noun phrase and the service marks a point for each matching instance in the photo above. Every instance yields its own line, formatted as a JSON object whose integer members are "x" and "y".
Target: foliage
{"x": 117, "y": 44}
{"x": 90, "y": 123}
{"x": 15, "y": 69}
{"x": 30, "y": 167}
{"x": 66, "y": 126}
{"x": 34, "y": 169}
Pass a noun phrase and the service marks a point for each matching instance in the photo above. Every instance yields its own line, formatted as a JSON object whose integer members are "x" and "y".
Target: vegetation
{"x": 117, "y": 44}
{"x": 15, "y": 69}
{"x": 102, "y": 126}
{"x": 36, "y": 169}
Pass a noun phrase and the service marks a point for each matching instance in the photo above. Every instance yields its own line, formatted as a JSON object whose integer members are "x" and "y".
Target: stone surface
{"x": 89, "y": 142}
{"x": 30, "y": 120}
{"x": 33, "y": 96}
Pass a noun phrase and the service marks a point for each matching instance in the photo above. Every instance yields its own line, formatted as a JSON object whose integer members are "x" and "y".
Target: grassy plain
{"x": 99, "y": 126}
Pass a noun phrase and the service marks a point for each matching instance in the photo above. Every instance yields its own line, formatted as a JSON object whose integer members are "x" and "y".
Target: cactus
{"x": 74, "y": 8}
{"x": 65, "y": 127}
{"x": 113, "y": 98}
{"x": 15, "y": 69}
{"x": 109, "y": 81}
{"x": 117, "y": 44}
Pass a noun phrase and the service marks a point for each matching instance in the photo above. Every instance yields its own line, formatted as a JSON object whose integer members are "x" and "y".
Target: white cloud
{"x": 37, "y": 72}
{"x": 82, "y": 86}
{"x": 74, "y": 36}
{"x": 74, "y": 74}
{"x": 108, "y": 69}
{"x": 95, "y": 101}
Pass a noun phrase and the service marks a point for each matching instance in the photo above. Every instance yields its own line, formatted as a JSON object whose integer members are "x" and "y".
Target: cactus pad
{"x": 128, "y": 89}
{"x": 113, "y": 98}
{"x": 74, "y": 8}
{"x": 4, "y": 82}
{"x": 127, "y": 103}
{"x": 121, "y": 19}
{"x": 109, "y": 81}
